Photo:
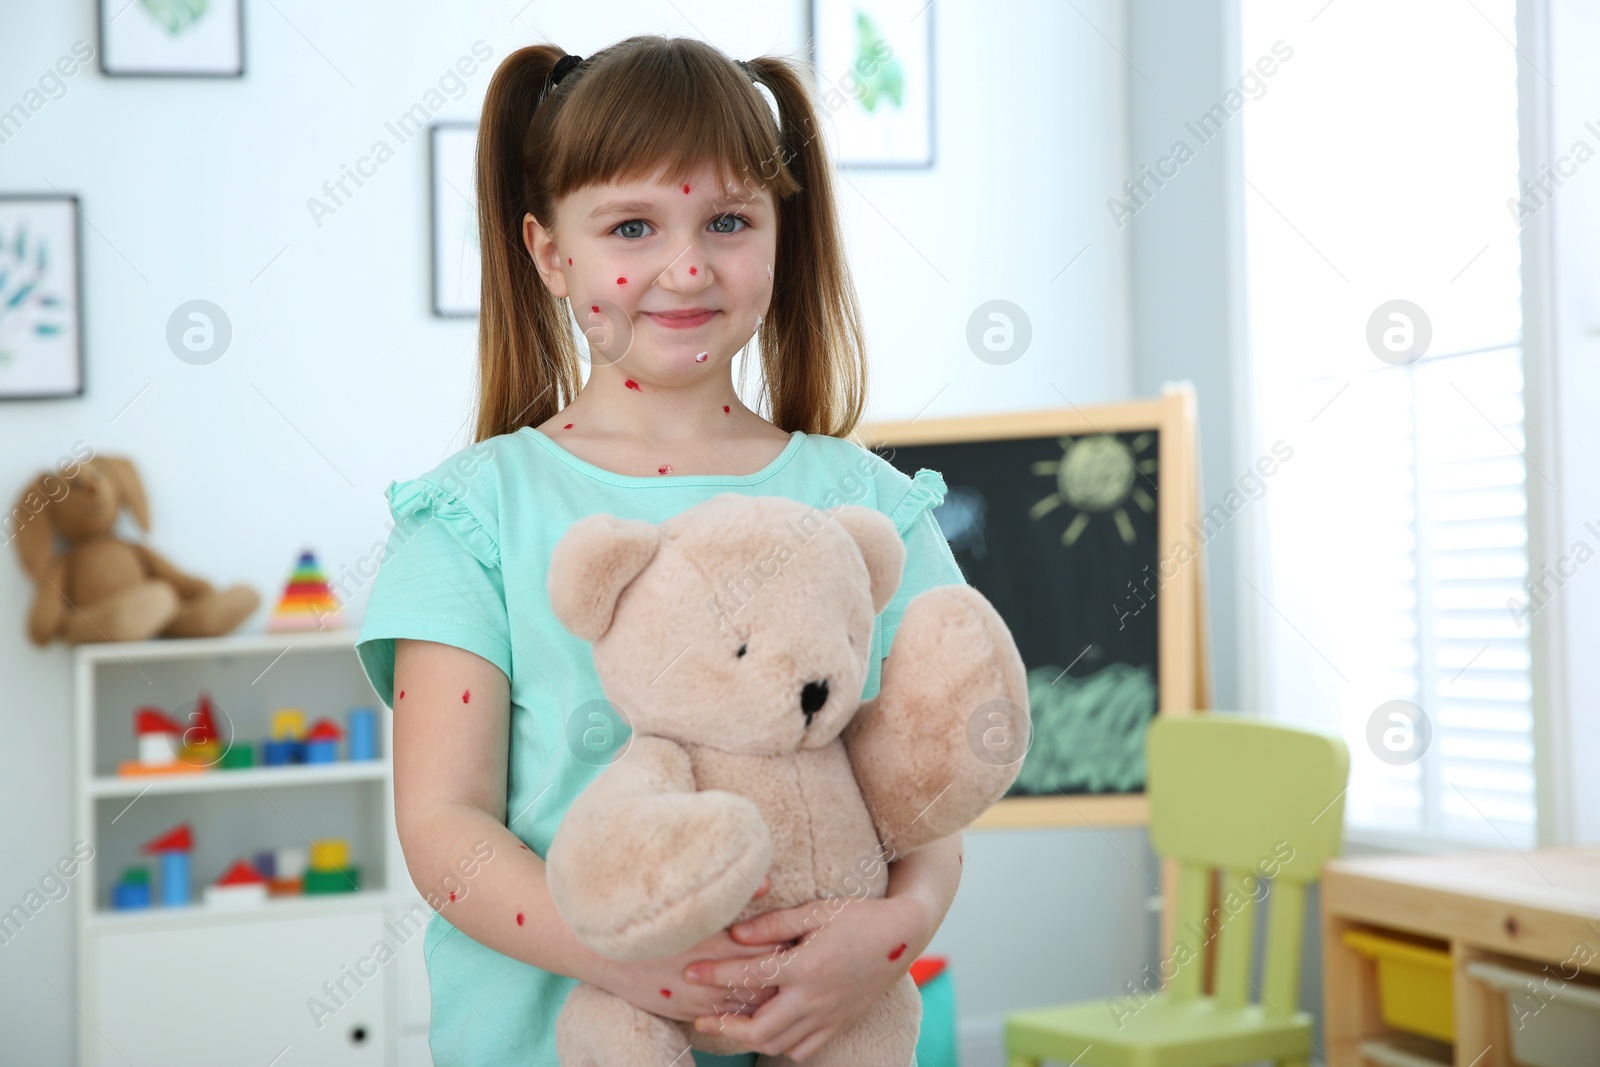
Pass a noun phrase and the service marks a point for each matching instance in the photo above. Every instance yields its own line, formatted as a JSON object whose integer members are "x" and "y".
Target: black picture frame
{"x": 76, "y": 244}
{"x": 443, "y": 306}
{"x": 109, "y": 10}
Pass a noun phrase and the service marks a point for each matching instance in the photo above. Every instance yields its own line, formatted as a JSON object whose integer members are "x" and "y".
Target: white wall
{"x": 339, "y": 379}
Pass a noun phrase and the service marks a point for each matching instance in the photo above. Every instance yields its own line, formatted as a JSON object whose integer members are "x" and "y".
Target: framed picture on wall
{"x": 457, "y": 264}
{"x": 172, "y": 38}
{"x": 41, "y": 315}
{"x": 874, "y": 66}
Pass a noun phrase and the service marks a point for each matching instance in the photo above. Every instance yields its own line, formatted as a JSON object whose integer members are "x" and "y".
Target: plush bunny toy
{"x": 103, "y": 588}
{"x": 751, "y": 753}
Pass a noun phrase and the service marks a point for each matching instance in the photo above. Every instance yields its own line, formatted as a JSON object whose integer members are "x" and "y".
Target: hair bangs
{"x": 658, "y": 108}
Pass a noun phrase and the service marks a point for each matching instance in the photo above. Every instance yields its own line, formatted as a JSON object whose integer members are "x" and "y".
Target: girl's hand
{"x": 847, "y": 959}
{"x": 659, "y": 987}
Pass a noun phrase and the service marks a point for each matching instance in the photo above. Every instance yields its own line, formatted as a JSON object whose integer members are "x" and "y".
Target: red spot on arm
{"x": 694, "y": 270}
{"x": 631, "y": 384}
{"x": 622, "y": 281}
{"x": 402, "y": 695}
{"x": 466, "y": 695}
{"x": 896, "y": 953}
{"x": 452, "y": 896}
{"x": 595, "y": 308}
{"x": 525, "y": 847}
{"x": 569, "y": 261}
{"x": 521, "y": 918}
{"x": 724, "y": 409}
{"x": 668, "y": 992}
{"x": 664, "y": 468}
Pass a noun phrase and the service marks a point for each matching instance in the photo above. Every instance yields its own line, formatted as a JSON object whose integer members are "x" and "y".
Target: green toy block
{"x": 340, "y": 880}
{"x": 237, "y": 757}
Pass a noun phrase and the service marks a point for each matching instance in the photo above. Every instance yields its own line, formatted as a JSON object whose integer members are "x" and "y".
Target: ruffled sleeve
{"x": 439, "y": 580}
{"x": 418, "y": 500}
{"x": 929, "y": 561}
{"x": 926, "y": 493}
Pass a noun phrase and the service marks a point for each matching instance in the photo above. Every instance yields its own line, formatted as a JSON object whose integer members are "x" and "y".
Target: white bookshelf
{"x": 201, "y": 985}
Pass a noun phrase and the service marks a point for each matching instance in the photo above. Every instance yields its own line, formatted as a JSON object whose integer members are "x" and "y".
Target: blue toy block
{"x": 174, "y": 878}
{"x": 361, "y": 726}
{"x": 129, "y": 896}
{"x": 279, "y": 753}
{"x": 322, "y": 751}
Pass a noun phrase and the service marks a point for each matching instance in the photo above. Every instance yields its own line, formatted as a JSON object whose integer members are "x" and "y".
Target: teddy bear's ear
{"x": 592, "y": 564}
{"x": 34, "y": 534}
{"x": 124, "y": 478}
{"x": 880, "y": 546}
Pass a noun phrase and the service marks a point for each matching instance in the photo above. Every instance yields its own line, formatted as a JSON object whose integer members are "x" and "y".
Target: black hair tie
{"x": 564, "y": 64}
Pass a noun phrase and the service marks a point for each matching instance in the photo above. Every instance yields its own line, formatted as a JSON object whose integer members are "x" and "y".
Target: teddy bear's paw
{"x": 953, "y": 652}
{"x": 598, "y": 1029}
{"x": 946, "y": 735}
{"x": 689, "y": 864}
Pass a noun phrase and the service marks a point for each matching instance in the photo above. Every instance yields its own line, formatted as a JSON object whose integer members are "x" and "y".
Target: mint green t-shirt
{"x": 465, "y": 565}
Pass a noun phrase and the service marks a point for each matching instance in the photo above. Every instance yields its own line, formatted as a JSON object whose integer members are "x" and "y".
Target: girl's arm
{"x": 452, "y": 719}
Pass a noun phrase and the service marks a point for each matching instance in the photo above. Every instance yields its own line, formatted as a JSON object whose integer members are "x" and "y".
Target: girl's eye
{"x": 628, "y": 230}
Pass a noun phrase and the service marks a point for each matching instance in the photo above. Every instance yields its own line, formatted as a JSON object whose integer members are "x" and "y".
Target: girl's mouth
{"x": 680, "y": 321}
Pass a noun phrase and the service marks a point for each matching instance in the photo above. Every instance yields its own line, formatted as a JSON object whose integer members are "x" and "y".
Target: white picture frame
{"x": 874, "y": 68}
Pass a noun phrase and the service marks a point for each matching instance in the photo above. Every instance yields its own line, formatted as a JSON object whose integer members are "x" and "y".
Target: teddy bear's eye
{"x": 741, "y": 650}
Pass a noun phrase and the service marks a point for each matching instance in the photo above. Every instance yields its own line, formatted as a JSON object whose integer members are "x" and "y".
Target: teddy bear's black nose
{"x": 812, "y": 697}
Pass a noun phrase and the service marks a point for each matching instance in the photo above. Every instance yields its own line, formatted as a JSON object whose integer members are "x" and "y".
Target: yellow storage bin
{"x": 1416, "y": 991}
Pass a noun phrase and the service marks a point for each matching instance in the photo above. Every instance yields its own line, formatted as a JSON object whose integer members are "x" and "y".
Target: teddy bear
{"x": 735, "y": 640}
{"x": 104, "y": 588}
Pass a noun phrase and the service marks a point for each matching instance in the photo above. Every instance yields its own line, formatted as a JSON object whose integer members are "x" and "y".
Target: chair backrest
{"x": 1263, "y": 804}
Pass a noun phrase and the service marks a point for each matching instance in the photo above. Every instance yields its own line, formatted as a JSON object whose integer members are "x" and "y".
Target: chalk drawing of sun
{"x": 1097, "y": 474}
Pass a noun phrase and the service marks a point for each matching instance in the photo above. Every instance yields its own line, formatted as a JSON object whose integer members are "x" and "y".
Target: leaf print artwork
{"x": 26, "y": 304}
{"x": 175, "y": 16}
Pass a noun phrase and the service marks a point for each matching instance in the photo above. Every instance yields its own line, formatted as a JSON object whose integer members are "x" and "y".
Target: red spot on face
{"x": 466, "y": 695}
{"x": 569, "y": 262}
{"x": 896, "y": 953}
{"x": 686, "y": 188}
{"x": 668, "y": 992}
{"x": 694, "y": 270}
{"x": 631, "y": 384}
{"x": 521, "y": 918}
{"x": 568, "y": 426}
{"x": 622, "y": 281}
{"x": 724, "y": 409}
{"x": 452, "y": 896}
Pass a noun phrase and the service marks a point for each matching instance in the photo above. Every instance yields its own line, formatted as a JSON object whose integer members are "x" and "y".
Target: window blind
{"x": 1382, "y": 166}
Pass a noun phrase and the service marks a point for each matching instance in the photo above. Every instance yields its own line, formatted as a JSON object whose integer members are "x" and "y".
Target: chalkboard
{"x": 1069, "y": 523}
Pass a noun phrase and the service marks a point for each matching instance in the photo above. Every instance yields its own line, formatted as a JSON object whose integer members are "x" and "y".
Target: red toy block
{"x": 177, "y": 839}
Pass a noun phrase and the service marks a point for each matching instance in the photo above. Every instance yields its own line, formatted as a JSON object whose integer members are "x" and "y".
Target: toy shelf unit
{"x": 235, "y": 907}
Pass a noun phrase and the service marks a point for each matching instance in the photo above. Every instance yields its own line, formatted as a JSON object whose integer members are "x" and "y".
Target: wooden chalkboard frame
{"x": 1183, "y": 685}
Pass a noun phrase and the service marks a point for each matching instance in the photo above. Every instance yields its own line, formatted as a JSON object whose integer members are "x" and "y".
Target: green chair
{"x": 1264, "y": 804}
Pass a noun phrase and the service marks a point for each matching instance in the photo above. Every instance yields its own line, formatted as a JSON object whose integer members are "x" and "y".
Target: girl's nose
{"x": 688, "y": 272}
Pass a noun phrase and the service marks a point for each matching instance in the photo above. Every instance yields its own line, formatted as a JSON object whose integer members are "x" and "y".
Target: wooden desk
{"x": 1539, "y": 905}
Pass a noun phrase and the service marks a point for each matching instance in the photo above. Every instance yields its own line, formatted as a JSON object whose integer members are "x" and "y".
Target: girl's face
{"x": 673, "y": 277}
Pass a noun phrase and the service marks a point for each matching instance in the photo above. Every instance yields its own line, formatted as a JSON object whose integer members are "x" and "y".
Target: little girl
{"x": 651, "y": 191}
